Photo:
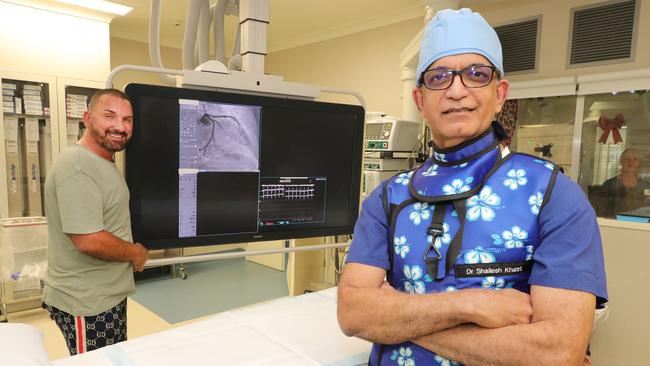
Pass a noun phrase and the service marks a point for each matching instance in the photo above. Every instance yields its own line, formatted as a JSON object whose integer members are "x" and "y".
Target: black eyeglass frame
{"x": 493, "y": 69}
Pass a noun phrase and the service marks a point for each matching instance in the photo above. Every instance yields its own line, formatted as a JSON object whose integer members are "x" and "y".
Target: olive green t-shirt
{"x": 85, "y": 194}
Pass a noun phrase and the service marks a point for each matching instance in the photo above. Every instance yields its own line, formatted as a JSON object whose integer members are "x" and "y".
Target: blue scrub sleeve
{"x": 369, "y": 245}
{"x": 570, "y": 254}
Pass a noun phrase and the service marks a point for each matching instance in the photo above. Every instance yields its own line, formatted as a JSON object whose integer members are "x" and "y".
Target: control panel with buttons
{"x": 391, "y": 134}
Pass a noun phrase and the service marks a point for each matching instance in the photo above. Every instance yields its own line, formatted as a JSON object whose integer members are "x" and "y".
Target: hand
{"x": 500, "y": 308}
{"x": 141, "y": 254}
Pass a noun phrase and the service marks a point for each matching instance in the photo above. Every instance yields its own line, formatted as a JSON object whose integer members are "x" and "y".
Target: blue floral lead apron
{"x": 467, "y": 218}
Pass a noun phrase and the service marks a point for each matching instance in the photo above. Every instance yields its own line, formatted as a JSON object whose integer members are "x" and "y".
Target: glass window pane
{"x": 545, "y": 128}
{"x": 28, "y": 148}
{"x": 76, "y": 103}
{"x": 615, "y": 152}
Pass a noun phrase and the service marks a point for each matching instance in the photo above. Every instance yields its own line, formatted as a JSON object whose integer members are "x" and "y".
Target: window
{"x": 615, "y": 153}
{"x": 545, "y": 128}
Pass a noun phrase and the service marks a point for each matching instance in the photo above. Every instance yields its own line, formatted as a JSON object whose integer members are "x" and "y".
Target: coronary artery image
{"x": 220, "y": 137}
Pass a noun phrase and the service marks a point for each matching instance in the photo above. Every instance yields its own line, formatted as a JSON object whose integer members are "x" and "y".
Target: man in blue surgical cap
{"x": 480, "y": 256}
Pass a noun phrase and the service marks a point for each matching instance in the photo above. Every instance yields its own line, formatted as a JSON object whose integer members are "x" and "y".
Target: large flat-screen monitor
{"x": 206, "y": 167}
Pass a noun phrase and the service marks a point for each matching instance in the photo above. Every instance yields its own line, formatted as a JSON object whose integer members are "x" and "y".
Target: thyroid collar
{"x": 458, "y": 172}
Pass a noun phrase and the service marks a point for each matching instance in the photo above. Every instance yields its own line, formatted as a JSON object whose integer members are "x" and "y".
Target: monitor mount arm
{"x": 213, "y": 74}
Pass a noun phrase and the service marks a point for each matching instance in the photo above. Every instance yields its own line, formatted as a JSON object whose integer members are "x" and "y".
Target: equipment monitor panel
{"x": 207, "y": 167}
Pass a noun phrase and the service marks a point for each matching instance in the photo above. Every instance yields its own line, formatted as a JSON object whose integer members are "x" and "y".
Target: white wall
{"x": 37, "y": 41}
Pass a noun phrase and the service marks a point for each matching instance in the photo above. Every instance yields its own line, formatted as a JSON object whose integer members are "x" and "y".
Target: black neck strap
{"x": 432, "y": 255}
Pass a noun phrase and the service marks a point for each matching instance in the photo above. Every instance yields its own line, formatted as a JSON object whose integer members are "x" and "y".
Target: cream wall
{"x": 622, "y": 340}
{"x": 124, "y": 51}
{"x": 367, "y": 62}
{"x": 555, "y": 31}
{"x": 36, "y": 41}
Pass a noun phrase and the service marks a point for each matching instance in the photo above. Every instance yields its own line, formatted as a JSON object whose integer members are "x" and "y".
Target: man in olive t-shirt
{"x": 91, "y": 256}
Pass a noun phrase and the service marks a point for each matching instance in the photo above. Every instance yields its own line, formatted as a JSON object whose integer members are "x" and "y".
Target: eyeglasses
{"x": 474, "y": 76}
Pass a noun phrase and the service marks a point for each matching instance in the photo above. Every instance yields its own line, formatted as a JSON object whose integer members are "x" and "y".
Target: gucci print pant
{"x": 86, "y": 333}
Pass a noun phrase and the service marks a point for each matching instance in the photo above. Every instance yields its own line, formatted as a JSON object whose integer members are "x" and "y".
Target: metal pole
{"x": 246, "y": 253}
{"x": 358, "y": 95}
{"x": 158, "y": 70}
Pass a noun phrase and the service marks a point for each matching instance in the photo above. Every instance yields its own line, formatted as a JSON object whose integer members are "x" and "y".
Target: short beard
{"x": 104, "y": 142}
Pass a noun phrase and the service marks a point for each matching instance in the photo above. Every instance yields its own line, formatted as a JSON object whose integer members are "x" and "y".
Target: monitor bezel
{"x": 137, "y": 91}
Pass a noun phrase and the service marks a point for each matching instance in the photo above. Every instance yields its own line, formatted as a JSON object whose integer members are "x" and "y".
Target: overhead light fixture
{"x": 101, "y": 5}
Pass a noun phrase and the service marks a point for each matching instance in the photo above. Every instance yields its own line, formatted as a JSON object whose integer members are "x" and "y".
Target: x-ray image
{"x": 227, "y": 137}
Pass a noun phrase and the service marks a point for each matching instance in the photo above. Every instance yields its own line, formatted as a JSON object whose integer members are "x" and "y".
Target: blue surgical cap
{"x": 453, "y": 32}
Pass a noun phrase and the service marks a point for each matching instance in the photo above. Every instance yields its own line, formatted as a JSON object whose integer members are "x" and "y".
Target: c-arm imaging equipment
{"x": 250, "y": 51}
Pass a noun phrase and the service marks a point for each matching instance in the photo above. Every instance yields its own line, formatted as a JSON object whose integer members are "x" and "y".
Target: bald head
{"x": 94, "y": 100}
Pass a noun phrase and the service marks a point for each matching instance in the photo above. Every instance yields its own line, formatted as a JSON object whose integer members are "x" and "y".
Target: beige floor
{"x": 140, "y": 322}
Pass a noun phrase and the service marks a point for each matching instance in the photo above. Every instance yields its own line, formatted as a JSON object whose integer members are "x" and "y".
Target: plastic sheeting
{"x": 23, "y": 248}
{"x": 22, "y": 345}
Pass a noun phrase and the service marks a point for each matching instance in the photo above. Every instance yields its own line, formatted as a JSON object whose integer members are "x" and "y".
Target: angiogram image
{"x": 228, "y": 137}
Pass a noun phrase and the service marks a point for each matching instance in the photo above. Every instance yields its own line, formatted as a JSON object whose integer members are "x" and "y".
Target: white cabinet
{"x": 75, "y": 95}
{"x": 26, "y": 141}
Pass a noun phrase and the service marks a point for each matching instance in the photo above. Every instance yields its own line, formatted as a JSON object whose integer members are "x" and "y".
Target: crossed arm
{"x": 473, "y": 326}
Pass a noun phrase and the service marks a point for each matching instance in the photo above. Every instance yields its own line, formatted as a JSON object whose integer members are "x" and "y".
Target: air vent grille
{"x": 603, "y": 33}
{"x": 519, "y": 43}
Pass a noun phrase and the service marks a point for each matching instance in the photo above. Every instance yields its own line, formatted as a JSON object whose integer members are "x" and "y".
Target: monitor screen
{"x": 208, "y": 168}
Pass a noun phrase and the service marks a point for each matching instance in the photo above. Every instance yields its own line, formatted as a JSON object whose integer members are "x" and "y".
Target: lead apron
{"x": 467, "y": 218}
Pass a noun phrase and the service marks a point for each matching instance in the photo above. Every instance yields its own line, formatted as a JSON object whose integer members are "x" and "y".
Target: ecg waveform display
{"x": 287, "y": 191}
{"x": 292, "y": 200}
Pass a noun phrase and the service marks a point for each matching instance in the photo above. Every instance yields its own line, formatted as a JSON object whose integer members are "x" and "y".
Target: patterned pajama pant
{"x": 86, "y": 333}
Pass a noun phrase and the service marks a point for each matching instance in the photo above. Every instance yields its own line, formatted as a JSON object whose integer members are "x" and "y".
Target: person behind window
{"x": 627, "y": 191}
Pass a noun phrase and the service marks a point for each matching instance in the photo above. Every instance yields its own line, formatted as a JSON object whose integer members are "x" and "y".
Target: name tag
{"x": 492, "y": 269}
{"x": 646, "y": 192}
